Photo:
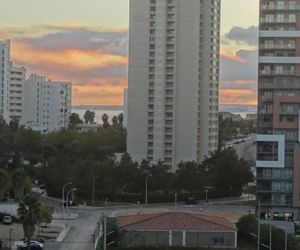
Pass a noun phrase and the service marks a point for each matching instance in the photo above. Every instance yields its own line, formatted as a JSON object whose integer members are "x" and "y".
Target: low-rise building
{"x": 233, "y": 117}
{"x": 87, "y": 127}
{"x": 177, "y": 229}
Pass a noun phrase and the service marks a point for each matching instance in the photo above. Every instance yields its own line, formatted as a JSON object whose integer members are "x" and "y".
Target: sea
{"x": 242, "y": 110}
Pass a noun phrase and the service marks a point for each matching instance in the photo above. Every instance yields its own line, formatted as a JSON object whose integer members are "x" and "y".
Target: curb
{"x": 63, "y": 234}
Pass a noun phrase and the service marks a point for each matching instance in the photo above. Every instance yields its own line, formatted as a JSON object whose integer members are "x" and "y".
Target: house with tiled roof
{"x": 177, "y": 229}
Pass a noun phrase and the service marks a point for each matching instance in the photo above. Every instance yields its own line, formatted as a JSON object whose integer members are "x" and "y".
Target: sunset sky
{"x": 85, "y": 42}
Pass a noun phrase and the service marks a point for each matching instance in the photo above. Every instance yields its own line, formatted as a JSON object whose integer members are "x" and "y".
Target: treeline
{"x": 90, "y": 158}
{"x": 25, "y": 155}
{"x": 223, "y": 174}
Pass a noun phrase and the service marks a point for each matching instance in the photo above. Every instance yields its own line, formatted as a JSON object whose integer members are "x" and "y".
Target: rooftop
{"x": 176, "y": 221}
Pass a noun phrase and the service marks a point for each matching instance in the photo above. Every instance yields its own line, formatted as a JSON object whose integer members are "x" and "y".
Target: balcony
{"x": 277, "y": 73}
{"x": 280, "y": 7}
{"x": 277, "y": 46}
{"x": 277, "y": 20}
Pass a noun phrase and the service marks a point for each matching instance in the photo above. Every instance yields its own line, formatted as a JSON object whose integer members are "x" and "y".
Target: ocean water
{"x": 242, "y": 110}
{"x": 99, "y": 112}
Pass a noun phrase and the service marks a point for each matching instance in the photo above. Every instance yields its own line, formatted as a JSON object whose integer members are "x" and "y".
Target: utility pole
{"x": 270, "y": 236}
{"x": 258, "y": 229}
{"x": 93, "y": 198}
{"x": 104, "y": 232}
{"x": 10, "y": 232}
{"x": 285, "y": 242}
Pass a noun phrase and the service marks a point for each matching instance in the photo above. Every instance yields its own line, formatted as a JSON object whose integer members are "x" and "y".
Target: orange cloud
{"x": 79, "y": 59}
{"x": 93, "y": 95}
{"x": 238, "y": 96}
{"x": 231, "y": 56}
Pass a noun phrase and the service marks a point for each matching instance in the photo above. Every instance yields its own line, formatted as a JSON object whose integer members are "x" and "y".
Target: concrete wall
{"x": 180, "y": 238}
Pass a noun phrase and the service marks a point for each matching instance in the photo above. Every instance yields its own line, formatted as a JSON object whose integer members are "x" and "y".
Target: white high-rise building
{"x": 4, "y": 78}
{"x": 17, "y": 78}
{"x": 47, "y": 104}
{"x": 173, "y": 80}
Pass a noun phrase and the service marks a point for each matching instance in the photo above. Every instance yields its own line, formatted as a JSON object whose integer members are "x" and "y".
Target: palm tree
{"x": 21, "y": 183}
{"x": 29, "y": 210}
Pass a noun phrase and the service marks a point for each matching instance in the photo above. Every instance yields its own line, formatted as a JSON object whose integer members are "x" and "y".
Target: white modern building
{"x": 173, "y": 80}
{"x": 17, "y": 78}
{"x": 4, "y": 78}
{"x": 47, "y": 104}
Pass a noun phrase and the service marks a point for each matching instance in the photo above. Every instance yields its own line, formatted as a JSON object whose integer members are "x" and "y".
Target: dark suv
{"x": 191, "y": 201}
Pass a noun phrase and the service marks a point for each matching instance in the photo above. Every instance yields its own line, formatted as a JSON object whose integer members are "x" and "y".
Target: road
{"x": 80, "y": 235}
{"x": 246, "y": 149}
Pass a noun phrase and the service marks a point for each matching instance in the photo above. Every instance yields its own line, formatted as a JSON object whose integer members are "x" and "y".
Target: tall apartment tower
{"x": 278, "y": 147}
{"x": 4, "y": 78}
{"x": 47, "y": 104}
{"x": 17, "y": 78}
{"x": 173, "y": 80}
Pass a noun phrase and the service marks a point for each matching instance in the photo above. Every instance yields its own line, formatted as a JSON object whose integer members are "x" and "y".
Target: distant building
{"x": 177, "y": 229}
{"x": 47, "y": 104}
{"x": 4, "y": 79}
{"x": 12, "y": 80}
{"x": 251, "y": 117}
{"x": 173, "y": 85}
{"x": 125, "y": 107}
{"x": 231, "y": 116}
{"x": 87, "y": 127}
{"x": 17, "y": 78}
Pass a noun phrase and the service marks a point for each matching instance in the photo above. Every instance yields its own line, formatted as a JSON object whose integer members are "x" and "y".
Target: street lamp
{"x": 63, "y": 195}
{"x": 206, "y": 195}
{"x": 146, "y": 191}
{"x": 72, "y": 190}
{"x": 67, "y": 205}
{"x": 10, "y": 233}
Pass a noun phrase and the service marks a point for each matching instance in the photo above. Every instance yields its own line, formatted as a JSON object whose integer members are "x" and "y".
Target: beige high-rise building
{"x": 173, "y": 80}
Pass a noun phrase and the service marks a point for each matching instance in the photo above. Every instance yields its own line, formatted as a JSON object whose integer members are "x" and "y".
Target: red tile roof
{"x": 176, "y": 221}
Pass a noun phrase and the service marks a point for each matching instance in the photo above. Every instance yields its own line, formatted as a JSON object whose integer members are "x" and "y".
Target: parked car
{"x": 191, "y": 201}
{"x": 34, "y": 245}
{"x": 37, "y": 190}
{"x": 34, "y": 241}
{"x": 7, "y": 220}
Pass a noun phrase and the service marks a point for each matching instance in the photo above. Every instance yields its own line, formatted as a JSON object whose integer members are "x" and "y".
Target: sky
{"x": 86, "y": 42}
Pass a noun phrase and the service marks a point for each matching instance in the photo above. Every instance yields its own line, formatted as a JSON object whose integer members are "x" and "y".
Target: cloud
{"x": 95, "y": 60}
{"x": 242, "y": 35}
{"x": 243, "y": 69}
{"x": 81, "y": 39}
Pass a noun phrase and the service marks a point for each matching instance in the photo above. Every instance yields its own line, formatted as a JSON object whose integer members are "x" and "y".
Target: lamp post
{"x": 67, "y": 205}
{"x": 63, "y": 195}
{"x": 146, "y": 191}
{"x": 10, "y": 233}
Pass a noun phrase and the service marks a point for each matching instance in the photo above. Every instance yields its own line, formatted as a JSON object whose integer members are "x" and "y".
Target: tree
{"x": 115, "y": 121}
{"x": 21, "y": 183}
{"x": 5, "y": 183}
{"x": 247, "y": 224}
{"x": 188, "y": 177}
{"x": 227, "y": 171}
{"x": 74, "y": 120}
{"x": 105, "y": 118}
{"x": 29, "y": 210}
{"x": 45, "y": 215}
{"x": 89, "y": 116}
{"x": 121, "y": 119}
